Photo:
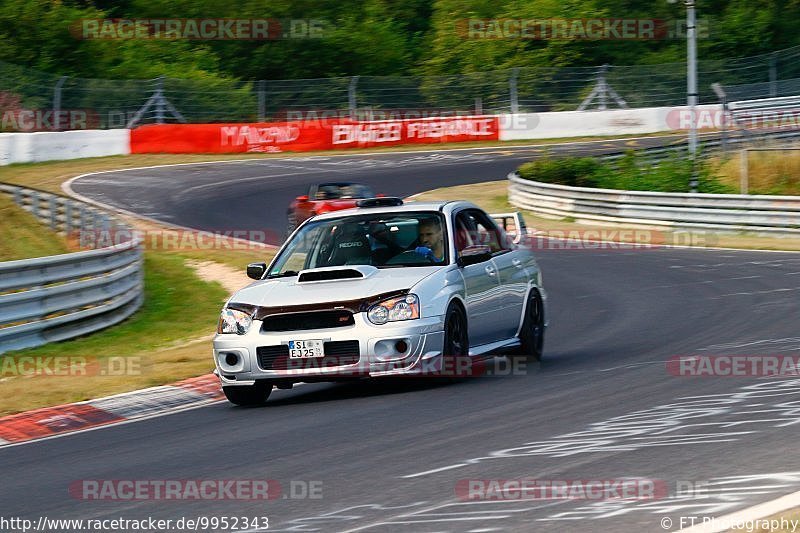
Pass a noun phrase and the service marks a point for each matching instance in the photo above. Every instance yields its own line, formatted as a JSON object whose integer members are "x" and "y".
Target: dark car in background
{"x": 324, "y": 198}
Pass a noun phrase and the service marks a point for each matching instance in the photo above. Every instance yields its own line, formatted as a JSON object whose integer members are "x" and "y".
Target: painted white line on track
{"x": 435, "y": 471}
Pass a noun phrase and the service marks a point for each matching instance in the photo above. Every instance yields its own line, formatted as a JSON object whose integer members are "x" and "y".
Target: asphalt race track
{"x": 203, "y": 196}
{"x": 388, "y": 456}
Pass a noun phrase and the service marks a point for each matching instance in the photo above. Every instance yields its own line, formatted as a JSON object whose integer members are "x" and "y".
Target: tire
{"x": 531, "y": 336}
{"x": 456, "y": 340}
{"x": 248, "y": 395}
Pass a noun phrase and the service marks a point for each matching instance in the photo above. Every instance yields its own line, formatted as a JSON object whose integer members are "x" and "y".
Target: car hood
{"x": 290, "y": 291}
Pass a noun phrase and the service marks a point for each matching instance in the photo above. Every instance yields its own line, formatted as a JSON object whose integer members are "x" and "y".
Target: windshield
{"x": 332, "y": 191}
{"x": 383, "y": 240}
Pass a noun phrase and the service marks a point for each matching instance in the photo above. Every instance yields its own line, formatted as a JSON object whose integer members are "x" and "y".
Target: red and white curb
{"x": 69, "y": 418}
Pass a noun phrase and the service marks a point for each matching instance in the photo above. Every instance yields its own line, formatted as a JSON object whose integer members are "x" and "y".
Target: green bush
{"x": 573, "y": 171}
{"x": 631, "y": 172}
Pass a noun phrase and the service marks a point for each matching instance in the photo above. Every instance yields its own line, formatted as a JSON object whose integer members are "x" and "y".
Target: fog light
{"x": 231, "y": 359}
{"x": 401, "y": 346}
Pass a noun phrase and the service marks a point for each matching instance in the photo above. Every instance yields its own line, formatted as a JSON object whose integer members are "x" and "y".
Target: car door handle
{"x": 490, "y": 270}
{"x": 517, "y": 263}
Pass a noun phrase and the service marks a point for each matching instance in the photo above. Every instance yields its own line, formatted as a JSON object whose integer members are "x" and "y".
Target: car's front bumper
{"x": 377, "y": 353}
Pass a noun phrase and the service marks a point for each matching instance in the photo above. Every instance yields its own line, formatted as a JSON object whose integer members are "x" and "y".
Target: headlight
{"x": 233, "y": 321}
{"x": 395, "y": 309}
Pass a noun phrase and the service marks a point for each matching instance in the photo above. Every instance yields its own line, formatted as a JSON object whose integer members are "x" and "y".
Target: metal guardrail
{"x": 775, "y": 215}
{"x": 58, "y": 297}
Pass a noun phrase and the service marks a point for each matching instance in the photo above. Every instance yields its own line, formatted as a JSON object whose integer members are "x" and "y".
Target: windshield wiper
{"x": 286, "y": 274}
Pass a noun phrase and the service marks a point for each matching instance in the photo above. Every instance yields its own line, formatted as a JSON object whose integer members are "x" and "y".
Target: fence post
{"x": 744, "y": 177}
{"x": 35, "y": 203}
{"x": 51, "y": 205}
{"x": 723, "y": 100}
{"x": 512, "y": 91}
{"x": 82, "y": 227}
{"x": 57, "y": 103}
{"x": 159, "y": 100}
{"x": 351, "y": 97}
{"x": 67, "y": 217}
{"x": 478, "y": 105}
{"x": 773, "y": 75}
{"x": 603, "y": 93}
{"x": 262, "y": 101}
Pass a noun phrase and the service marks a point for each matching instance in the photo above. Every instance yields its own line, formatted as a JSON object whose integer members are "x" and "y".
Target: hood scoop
{"x": 334, "y": 274}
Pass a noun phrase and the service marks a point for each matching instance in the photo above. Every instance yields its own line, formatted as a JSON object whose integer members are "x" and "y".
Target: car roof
{"x": 446, "y": 206}
{"x": 339, "y": 184}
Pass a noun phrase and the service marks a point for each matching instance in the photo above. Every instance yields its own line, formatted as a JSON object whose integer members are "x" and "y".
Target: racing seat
{"x": 350, "y": 247}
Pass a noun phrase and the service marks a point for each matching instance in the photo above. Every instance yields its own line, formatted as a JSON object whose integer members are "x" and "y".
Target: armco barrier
{"x": 58, "y": 297}
{"x": 775, "y": 215}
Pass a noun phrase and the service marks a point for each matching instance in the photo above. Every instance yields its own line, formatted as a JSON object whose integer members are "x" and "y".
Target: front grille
{"x": 337, "y": 353}
{"x": 309, "y": 320}
{"x": 341, "y": 348}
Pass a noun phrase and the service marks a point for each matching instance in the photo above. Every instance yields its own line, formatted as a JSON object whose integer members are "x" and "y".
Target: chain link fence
{"x": 31, "y": 100}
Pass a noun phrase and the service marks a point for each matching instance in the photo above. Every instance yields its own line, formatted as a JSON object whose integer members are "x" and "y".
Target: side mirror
{"x": 302, "y": 199}
{"x": 256, "y": 270}
{"x": 472, "y": 255}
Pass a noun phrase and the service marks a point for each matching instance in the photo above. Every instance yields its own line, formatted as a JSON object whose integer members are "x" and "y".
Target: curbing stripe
{"x": 147, "y": 402}
{"x": 51, "y": 421}
{"x": 54, "y": 421}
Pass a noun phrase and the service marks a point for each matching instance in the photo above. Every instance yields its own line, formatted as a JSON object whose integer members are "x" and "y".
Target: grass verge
{"x": 22, "y": 236}
{"x": 768, "y": 172}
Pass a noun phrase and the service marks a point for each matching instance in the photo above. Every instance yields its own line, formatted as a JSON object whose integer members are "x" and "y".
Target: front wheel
{"x": 531, "y": 336}
{"x": 248, "y": 395}
{"x": 456, "y": 340}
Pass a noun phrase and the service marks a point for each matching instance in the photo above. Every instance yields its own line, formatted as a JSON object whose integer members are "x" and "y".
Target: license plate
{"x": 306, "y": 349}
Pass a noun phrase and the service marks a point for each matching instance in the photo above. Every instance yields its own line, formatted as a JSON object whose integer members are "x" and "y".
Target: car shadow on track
{"x": 331, "y": 392}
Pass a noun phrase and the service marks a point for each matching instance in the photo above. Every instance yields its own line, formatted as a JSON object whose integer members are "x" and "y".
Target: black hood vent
{"x": 327, "y": 275}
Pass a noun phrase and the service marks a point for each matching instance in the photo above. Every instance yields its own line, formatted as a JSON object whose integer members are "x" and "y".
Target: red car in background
{"x": 322, "y": 198}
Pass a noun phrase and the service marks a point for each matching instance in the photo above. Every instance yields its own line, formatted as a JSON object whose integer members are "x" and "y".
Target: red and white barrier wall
{"x": 559, "y": 124}
{"x": 299, "y": 136}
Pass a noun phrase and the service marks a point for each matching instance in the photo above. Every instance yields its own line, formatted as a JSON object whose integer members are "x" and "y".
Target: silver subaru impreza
{"x": 388, "y": 288}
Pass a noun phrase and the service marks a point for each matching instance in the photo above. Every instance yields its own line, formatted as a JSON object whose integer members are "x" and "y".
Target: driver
{"x": 429, "y": 237}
